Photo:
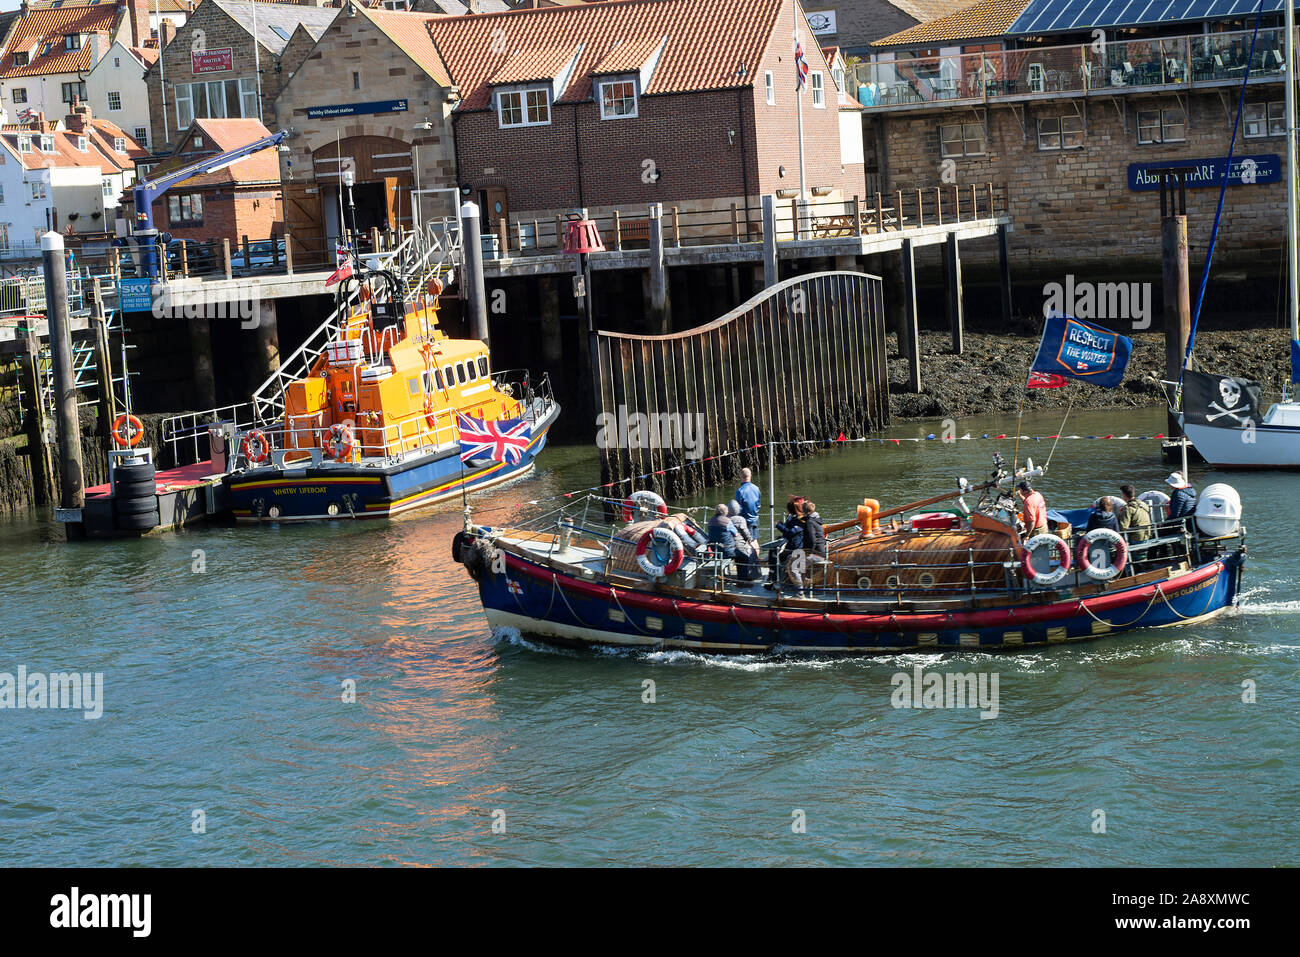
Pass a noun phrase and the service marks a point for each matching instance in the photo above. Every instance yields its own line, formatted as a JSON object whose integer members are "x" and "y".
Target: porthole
{"x": 925, "y": 580}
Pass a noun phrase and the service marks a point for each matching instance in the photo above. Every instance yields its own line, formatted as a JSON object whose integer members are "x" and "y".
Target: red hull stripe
{"x": 905, "y": 621}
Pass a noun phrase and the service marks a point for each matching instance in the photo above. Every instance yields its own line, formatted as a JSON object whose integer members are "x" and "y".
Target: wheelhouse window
{"x": 460, "y": 373}
{"x": 961, "y": 139}
{"x": 617, "y": 99}
{"x": 448, "y": 376}
{"x": 530, "y": 107}
{"x": 1161, "y": 126}
{"x": 185, "y": 209}
{"x": 483, "y": 366}
{"x": 1060, "y": 132}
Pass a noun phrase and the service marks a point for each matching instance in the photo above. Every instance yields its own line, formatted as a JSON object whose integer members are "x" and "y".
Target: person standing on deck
{"x": 1135, "y": 518}
{"x": 1182, "y": 503}
{"x": 746, "y": 546}
{"x": 791, "y": 530}
{"x": 1035, "y": 510}
{"x": 750, "y": 499}
{"x": 1103, "y": 516}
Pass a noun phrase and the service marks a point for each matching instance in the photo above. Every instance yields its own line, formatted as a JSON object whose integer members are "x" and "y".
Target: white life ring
{"x": 1116, "y": 502}
{"x": 1159, "y": 503}
{"x": 643, "y": 500}
{"x": 1056, "y": 544}
{"x": 665, "y": 535}
{"x": 1117, "y": 558}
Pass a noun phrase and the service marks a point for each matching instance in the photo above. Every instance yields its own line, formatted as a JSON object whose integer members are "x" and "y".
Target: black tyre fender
{"x": 134, "y": 473}
{"x": 136, "y": 506}
{"x": 135, "y": 488}
{"x": 138, "y": 523}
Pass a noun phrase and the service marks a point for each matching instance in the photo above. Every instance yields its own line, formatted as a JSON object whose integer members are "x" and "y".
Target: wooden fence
{"x": 804, "y": 360}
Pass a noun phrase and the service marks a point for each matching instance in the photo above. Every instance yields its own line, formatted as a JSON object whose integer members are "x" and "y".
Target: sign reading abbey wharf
{"x": 1246, "y": 171}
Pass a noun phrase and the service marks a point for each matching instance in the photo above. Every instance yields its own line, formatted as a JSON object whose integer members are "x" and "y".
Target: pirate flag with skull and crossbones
{"x": 1224, "y": 402}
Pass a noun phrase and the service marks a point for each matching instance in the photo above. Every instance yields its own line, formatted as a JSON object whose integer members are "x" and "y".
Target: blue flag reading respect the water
{"x": 1081, "y": 350}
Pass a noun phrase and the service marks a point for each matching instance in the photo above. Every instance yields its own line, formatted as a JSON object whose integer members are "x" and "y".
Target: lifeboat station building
{"x": 1069, "y": 109}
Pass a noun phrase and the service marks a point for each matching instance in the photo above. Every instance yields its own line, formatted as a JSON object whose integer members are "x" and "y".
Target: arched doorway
{"x": 382, "y": 173}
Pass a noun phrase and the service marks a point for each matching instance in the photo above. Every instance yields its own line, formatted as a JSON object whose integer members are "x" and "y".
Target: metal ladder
{"x": 430, "y": 253}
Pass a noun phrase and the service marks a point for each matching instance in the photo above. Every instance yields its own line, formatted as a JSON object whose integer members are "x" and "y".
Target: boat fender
{"x": 255, "y": 447}
{"x": 1159, "y": 503}
{"x": 127, "y": 431}
{"x": 1046, "y": 540}
{"x": 645, "y": 558}
{"x": 1118, "y": 554}
{"x": 477, "y": 558}
{"x": 338, "y": 441}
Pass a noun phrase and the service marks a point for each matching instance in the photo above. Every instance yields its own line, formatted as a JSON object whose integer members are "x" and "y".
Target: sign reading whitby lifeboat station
{"x": 1246, "y": 171}
{"x": 356, "y": 109}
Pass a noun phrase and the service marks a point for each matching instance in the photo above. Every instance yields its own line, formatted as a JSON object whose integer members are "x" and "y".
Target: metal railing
{"x": 1079, "y": 68}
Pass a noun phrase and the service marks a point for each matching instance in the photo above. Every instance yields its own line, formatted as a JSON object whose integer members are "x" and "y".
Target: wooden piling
{"x": 72, "y": 491}
{"x": 911, "y": 327}
{"x": 956, "y": 317}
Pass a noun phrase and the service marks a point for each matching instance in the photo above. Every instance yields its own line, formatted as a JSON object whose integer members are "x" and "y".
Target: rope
{"x": 1174, "y": 611}
{"x": 1058, "y": 434}
{"x": 576, "y": 617}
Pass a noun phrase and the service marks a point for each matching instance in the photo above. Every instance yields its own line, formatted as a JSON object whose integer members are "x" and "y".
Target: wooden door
{"x": 495, "y": 208}
{"x": 304, "y": 217}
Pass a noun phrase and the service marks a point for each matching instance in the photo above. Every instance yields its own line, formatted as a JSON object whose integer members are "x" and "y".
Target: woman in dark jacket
{"x": 814, "y": 537}
{"x": 791, "y": 530}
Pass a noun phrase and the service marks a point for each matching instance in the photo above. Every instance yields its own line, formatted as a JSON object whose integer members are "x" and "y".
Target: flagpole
{"x": 803, "y": 193}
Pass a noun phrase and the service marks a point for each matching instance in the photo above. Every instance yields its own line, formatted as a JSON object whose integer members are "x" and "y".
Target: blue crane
{"x": 144, "y": 194}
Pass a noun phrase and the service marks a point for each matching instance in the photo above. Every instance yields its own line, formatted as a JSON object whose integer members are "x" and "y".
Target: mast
{"x": 1293, "y": 264}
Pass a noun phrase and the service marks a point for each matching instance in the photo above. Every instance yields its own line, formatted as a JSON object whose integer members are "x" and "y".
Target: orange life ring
{"x": 338, "y": 441}
{"x": 434, "y": 286}
{"x": 127, "y": 440}
{"x": 255, "y": 447}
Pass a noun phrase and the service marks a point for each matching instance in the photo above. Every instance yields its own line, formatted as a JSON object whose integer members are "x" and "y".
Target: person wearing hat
{"x": 1035, "y": 510}
{"x": 1182, "y": 501}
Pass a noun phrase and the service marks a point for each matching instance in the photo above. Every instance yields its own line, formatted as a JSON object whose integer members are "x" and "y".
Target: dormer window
{"x": 526, "y": 107}
{"x": 617, "y": 98}
{"x": 119, "y": 143}
{"x": 49, "y": 45}
{"x": 47, "y": 143}
{"x": 24, "y": 144}
{"x": 20, "y": 59}
{"x": 83, "y": 144}
{"x": 72, "y": 41}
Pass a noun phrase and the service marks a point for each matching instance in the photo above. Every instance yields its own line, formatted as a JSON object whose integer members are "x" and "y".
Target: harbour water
{"x": 225, "y": 652}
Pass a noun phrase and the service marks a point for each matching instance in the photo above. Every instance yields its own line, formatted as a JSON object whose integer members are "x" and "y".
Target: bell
{"x": 582, "y": 236}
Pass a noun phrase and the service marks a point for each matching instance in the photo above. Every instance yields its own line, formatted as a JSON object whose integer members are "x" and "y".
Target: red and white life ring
{"x": 127, "y": 431}
{"x": 645, "y": 501}
{"x": 338, "y": 441}
{"x": 1116, "y": 557}
{"x": 1056, "y": 544}
{"x": 255, "y": 447}
{"x": 666, "y": 536}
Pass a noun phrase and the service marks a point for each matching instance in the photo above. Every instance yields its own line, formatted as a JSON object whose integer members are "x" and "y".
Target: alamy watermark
{"x": 243, "y": 302}
{"x": 659, "y": 430}
{"x": 63, "y": 690}
{"x": 955, "y": 689}
{"x": 1128, "y": 301}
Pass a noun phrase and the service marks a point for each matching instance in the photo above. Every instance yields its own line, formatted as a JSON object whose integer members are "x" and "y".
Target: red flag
{"x": 1045, "y": 380}
{"x": 841, "y": 438}
{"x": 344, "y": 263}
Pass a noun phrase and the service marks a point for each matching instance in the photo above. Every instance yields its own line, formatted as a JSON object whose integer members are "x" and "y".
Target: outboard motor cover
{"x": 1218, "y": 510}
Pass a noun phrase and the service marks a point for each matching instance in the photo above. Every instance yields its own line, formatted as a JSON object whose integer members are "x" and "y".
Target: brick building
{"x": 241, "y": 200}
{"x": 1070, "y": 129}
{"x": 685, "y": 102}
{"x": 230, "y": 59}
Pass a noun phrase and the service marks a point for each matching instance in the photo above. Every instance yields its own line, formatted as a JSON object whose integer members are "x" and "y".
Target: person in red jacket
{"x": 1035, "y": 510}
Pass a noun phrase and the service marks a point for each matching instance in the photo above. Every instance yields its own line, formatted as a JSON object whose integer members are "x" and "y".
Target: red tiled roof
{"x": 408, "y": 31}
{"x": 708, "y": 41}
{"x": 52, "y": 25}
{"x": 987, "y": 18}
{"x": 218, "y": 137}
{"x": 527, "y": 65}
{"x": 146, "y": 55}
{"x": 628, "y": 57}
{"x": 99, "y": 154}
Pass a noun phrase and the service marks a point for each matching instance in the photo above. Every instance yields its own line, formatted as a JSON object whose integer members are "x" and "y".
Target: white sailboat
{"x": 1225, "y": 432}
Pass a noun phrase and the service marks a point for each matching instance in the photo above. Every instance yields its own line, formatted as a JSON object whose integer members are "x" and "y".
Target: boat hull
{"x": 1272, "y": 446}
{"x": 357, "y": 491}
{"x": 544, "y": 604}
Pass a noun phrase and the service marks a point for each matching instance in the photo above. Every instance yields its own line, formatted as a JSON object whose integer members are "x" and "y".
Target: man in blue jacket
{"x": 750, "y": 499}
{"x": 1182, "y": 501}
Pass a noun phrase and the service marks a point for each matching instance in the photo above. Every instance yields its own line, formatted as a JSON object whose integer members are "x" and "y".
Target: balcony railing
{"x": 1177, "y": 61}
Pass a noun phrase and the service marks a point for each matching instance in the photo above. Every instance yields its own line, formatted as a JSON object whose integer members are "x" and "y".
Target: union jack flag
{"x": 26, "y": 115}
{"x": 800, "y": 65}
{"x": 504, "y": 441}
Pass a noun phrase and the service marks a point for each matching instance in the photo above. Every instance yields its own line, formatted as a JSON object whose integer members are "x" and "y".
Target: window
{"x": 142, "y": 135}
{"x": 470, "y": 374}
{"x": 413, "y": 386}
{"x": 24, "y": 144}
{"x": 117, "y": 62}
{"x": 356, "y": 80}
{"x": 818, "y": 90}
{"x": 2, "y": 195}
{"x": 1060, "y": 132}
{"x": 47, "y": 143}
{"x": 1265, "y": 119}
{"x": 483, "y": 366}
{"x": 20, "y": 94}
{"x": 617, "y": 99}
{"x": 437, "y": 377}
{"x": 1161, "y": 126}
{"x": 114, "y": 100}
{"x": 838, "y": 75}
{"x": 72, "y": 41}
{"x": 107, "y": 186}
{"x": 961, "y": 139}
{"x": 119, "y": 143}
{"x": 397, "y": 5}
{"x": 38, "y": 190}
{"x": 770, "y": 87}
{"x": 20, "y": 59}
{"x": 218, "y": 99}
{"x": 524, "y": 107}
{"x": 447, "y": 375}
{"x": 460, "y": 373}
{"x": 83, "y": 144}
{"x": 74, "y": 91}
{"x": 187, "y": 209}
